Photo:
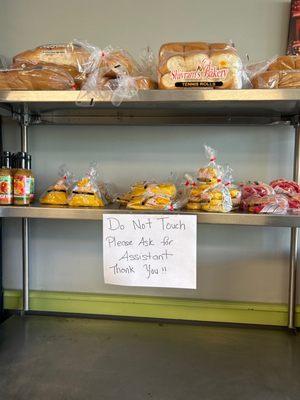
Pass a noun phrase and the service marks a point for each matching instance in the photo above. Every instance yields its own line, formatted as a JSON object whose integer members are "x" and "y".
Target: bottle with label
{"x": 6, "y": 179}
{"x": 23, "y": 180}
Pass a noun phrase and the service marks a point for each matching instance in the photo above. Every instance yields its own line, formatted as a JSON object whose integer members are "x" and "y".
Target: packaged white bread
{"x": 199, "y": 65}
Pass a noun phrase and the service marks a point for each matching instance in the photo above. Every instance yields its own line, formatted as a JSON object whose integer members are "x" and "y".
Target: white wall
{"x": 235, "y": 263}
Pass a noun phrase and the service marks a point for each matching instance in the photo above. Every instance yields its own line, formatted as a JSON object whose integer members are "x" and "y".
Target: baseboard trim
{"x": 153, "y": 307}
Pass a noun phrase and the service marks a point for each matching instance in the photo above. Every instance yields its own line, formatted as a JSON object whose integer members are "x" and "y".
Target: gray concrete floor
{"x": 54, "y": 358}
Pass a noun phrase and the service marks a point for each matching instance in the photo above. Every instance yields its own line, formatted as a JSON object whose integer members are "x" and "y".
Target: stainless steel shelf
{"x": 255, "y": 106}
{"x": 94, "y": 214}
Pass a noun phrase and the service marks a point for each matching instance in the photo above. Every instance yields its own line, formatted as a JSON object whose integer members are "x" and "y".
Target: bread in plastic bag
{"x": 56, "y": 194}
{"x": 275, "y": 73}
{"x": 117, "y": 77}
{"x": 36, "y": 78}
{"x": 76, "y": 57}
{"x": 199, "y": 65}
{"x": 86, "y": 192}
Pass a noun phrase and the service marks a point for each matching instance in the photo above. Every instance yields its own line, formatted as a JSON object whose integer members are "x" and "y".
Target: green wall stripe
{"x": 153, "y": 307}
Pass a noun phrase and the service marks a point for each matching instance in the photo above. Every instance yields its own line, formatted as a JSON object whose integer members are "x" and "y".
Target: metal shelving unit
{"x": 185, "y": 107}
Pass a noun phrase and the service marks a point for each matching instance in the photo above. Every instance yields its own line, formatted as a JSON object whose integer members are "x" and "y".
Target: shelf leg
{"x": 25, "y": 229}
{"x": 294, "y": 242}
{"x": 25, "y": 263}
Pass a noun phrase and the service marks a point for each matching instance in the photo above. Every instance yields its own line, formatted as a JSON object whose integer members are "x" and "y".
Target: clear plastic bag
{"x": 168, "y": 195}
{"x": 291, "y": 190}
{"x": 4, "y": 63}
{"x": 212, "y": 172}
{"x": 86, "y": 191}
{"x": 77, "y": 57}
{"x": 260, "y": 198}
{"x": 208, "y": 190}
{"x": 271, "y": 204}
{"x": 277, "y": 72}
{"x": 57, "y": 194}
{"x": 234, "y": 190}
{"x": 117, "y": 77}
{"x": 36, "y": 78}
{"x": 199, "y": 65}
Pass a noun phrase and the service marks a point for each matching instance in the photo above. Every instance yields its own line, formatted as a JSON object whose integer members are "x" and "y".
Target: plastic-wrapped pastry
{"x": 156, "y": 202}
{"x": 211, "y": 173}
{"x": 154, "y": 196}
{"x": 219, "y": 199}
{"x": 271, "y": 204}
{"x": 86, "y": 192}
{"x": 254, "y": 189}
{"x": 211, "y": 190}
{"x": 57, "y": 194}
{"x": 290, "y": 189}
{"x": 234, "y": 190}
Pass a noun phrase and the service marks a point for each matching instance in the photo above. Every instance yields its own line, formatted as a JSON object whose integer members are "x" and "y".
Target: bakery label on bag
{"x": 201, "y": 77}
{"x": 6, "y": 189}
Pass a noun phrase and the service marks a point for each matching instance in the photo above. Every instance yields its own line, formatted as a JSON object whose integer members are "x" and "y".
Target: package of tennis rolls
{"x": 86, "y": 191}
{"x": 56, "y": 194}
{"x": 200, "y": 65}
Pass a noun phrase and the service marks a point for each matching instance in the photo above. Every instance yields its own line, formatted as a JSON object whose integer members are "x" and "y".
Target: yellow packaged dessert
{"x": 85, "y": 192}
{"x": 162, "y": 189}
{"x": 57, "y": 194}
{"x": 153, "y": 196}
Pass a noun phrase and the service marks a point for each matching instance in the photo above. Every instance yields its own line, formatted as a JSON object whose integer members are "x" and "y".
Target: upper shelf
{"x": 256, "y": 106}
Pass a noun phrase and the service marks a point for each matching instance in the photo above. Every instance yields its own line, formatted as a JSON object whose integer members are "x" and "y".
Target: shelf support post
{"x": 294, "y": 240}
{"x": 24, "y": 123}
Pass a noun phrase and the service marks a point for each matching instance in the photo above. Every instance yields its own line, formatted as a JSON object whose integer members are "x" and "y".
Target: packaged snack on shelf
{"x": 76, "y": 58}
{"x": 199, "y": 65}
{"x": 57, "y": 194}
{"x": 260, "y": 198}
{"x": 271, "y": 204}
{"x": 290, "y": 189}
{"x": 117, "y": 77}
{"x": 234, "y": 190}
{"x": 36, "y": 78}
{"x": 285, "y": 186}
{"x": 257, "y": 189}
{"x": 276, "y": 73}
{"x": 212, "y": 172}
{"x": 209, "y": 190}
{"x": 147, "y": 195}
{"x": 86, "y": 192}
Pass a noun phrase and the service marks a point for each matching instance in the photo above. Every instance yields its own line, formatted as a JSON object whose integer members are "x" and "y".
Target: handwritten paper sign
{"x": 150, "y": 250}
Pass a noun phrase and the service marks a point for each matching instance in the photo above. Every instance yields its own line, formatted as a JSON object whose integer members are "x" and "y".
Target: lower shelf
{"x": 94, "y": 214}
